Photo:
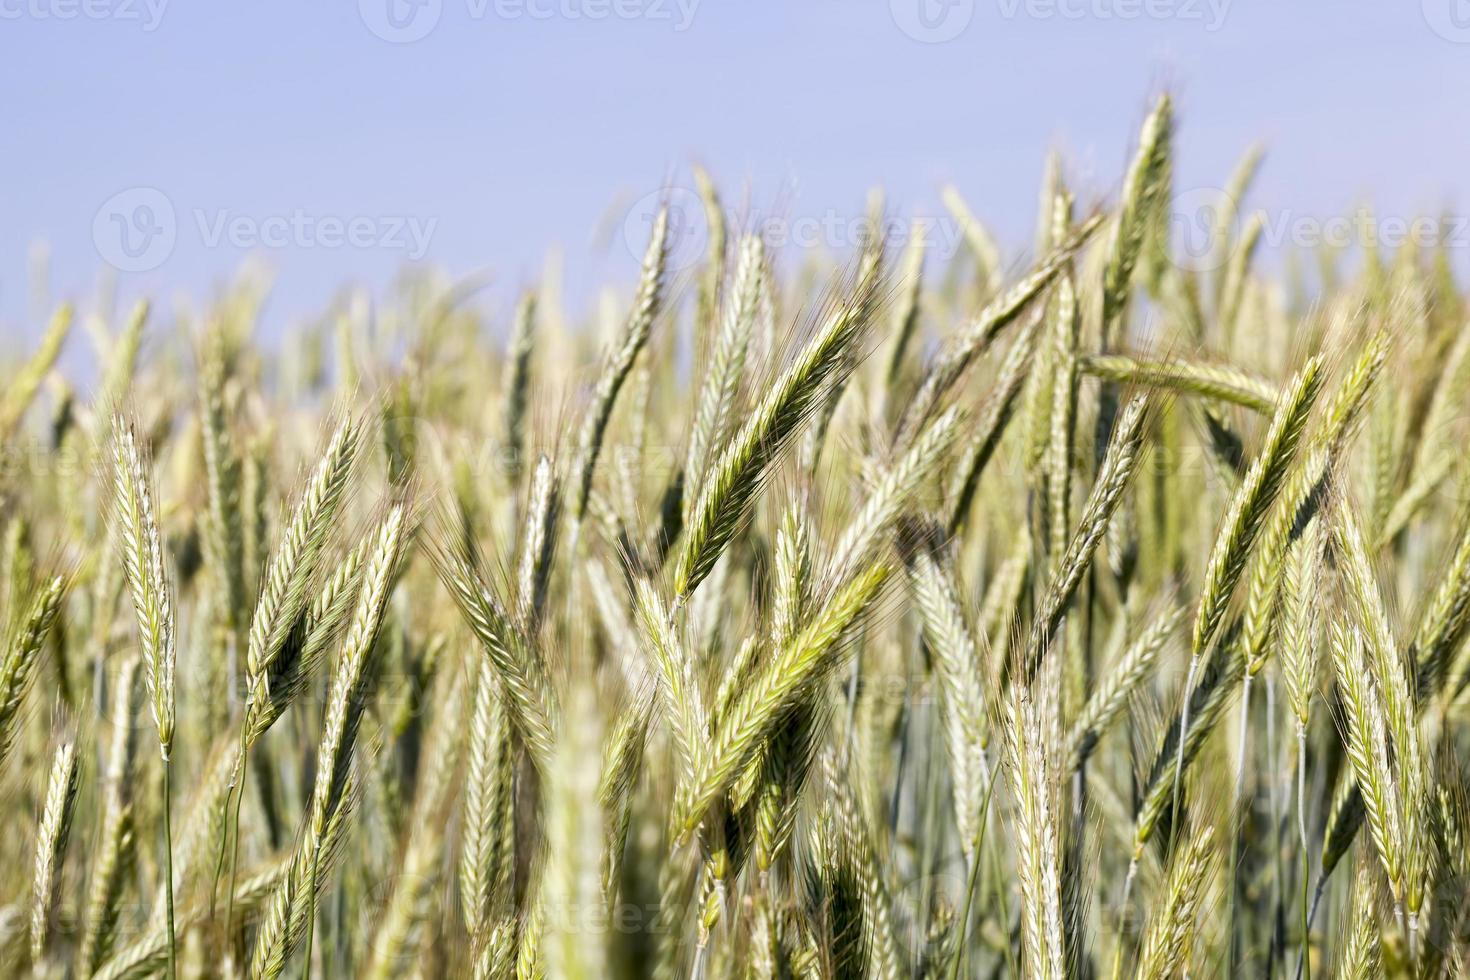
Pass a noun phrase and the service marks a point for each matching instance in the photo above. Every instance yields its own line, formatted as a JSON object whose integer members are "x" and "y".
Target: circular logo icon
{"x": 400, "y": 21}
{"x": 1441, "y": 475}
{"x": 1202, "y": 223}
{"x": 1450, "y": 19}
{"x": 135, "y": 229}
{"x": 922, "y": 903}
{"x": 1444, "y": 920}
{"x": 688, "y": 234}
{"x": 932, "y": 21}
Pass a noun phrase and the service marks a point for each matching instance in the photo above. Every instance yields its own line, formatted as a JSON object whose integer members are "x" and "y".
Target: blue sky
{"x": 333, "y": 141}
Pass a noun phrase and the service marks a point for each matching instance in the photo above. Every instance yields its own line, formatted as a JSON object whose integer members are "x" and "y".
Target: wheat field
{"x": 1088, "y": 614}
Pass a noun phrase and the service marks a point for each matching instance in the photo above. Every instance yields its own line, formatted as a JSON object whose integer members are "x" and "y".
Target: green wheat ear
{"x": 21, "y": 390}
{"x": 22, "y": 658}
{"x": 740, "y": 467}
{"x": 52, "y": 837}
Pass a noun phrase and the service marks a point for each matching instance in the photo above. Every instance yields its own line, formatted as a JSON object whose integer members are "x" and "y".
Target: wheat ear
{"x": 795, "y": 667}
{"x": 291, "y": 572}
{"x": 990, "y": 424}
{"x": 21, "y": 389}
{"x": 1215, "y": 381}
{"x": 619, "y": 362}
{"x": 51, "y": 841}
{"x": 538, "y": 542}
{"x": 727, "y": 366}
{"x": 1145, "y": 192}
{"x": 964, "y": 347}
{"x": 1031, "y": 767}
{"x": 957, "y": 668}
{"x": 290, "y": 910}
{"x": 1171, "y": 930}
{"x": 1119, "y": 463}
{"x": 487, "y": 843}
{"x": 572, "y": 877}
{"x": 518, "y": 386}
{"x": 406, "y": 927}
{"x": 142, "y": 554}
{"x": 122, "y": 360}
{"x": 1112, "y": 694}
{"x": 739, "y": 467}
{"x": 530, "y": 697}
{"x": 891, "y": 494}
{"x": 22, "y": 657}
